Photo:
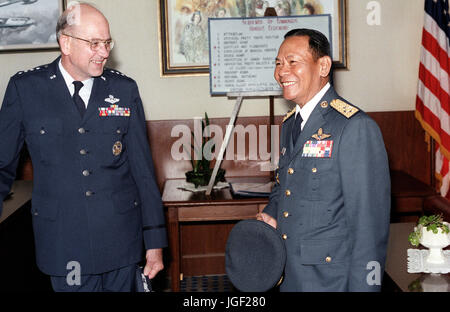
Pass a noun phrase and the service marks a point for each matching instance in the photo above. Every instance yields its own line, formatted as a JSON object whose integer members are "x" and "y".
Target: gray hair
{"x": 70, "y": 17}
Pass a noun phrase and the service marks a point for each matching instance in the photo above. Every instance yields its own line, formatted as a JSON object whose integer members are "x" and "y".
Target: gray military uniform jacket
{"x": 332, "y": 200}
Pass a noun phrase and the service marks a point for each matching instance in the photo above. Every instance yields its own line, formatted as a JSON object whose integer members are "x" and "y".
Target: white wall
{"x": 383, "y": 62}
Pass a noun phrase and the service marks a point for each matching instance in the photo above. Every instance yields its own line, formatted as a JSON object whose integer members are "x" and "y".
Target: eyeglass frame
{"x": 109, "y": 42}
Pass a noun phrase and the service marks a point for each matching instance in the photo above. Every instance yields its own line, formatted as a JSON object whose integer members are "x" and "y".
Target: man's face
{"x": 296, "y": 71}
{"x": 78, "y": 59}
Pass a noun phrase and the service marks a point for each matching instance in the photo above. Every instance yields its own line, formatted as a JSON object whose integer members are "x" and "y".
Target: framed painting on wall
{"x": 184, "y": 28}
{"x": 29, "y": 24}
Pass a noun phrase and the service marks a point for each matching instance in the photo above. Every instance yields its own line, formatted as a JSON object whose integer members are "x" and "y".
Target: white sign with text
{"x": 242, "y": 51}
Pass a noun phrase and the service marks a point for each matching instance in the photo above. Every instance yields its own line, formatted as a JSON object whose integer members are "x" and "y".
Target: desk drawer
{"x": 215, "y": 213}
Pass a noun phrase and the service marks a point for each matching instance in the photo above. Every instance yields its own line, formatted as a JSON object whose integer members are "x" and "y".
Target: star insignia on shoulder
{"x": 289, "y": 114}
{"x": 319, "y": 136}
{"x": 344, "y": 108}
{"x": 116, "y": 72}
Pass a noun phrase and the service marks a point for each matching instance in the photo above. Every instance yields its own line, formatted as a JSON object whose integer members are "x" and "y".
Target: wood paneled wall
{"x": 167, "y": 167}
{"x": 405, "y": 143}
{"x": 403, "y": 136}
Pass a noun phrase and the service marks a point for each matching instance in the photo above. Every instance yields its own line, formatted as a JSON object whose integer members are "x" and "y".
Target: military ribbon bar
{"x": 319, "y": 149}
{"x": 114, "y": 110}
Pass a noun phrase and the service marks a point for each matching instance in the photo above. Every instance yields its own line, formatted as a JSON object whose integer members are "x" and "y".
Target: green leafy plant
{"x": 201, "y": 168}
{"x": 416, "y": 285}
{"x": 431, "y": 223}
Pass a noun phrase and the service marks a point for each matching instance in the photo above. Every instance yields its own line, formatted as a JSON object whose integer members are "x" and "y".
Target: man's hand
{"x": 154, "y": 262}
{"x": 266, "y": 218}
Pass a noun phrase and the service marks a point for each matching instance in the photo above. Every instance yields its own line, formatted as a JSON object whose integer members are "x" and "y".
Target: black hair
{"x": 318, "y": 43}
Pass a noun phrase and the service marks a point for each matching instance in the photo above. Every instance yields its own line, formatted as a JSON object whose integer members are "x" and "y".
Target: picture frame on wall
{"x": 29, "y": 24}
{"x": 183, "y": 28}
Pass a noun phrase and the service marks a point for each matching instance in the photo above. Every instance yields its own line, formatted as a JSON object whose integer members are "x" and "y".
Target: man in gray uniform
{"x": 331, "y": 202}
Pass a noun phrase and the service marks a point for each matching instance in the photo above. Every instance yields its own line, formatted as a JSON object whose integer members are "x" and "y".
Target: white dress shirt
{"x": 307, "y": 109}
{"x": 85, "y": 91}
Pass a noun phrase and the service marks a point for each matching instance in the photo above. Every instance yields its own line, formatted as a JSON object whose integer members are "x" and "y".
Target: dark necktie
{"x": 77, "y": 98}
{"x": 297, "y": 127}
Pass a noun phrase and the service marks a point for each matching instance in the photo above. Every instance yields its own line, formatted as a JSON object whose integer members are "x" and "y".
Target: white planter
{"x": 435, "y": 243}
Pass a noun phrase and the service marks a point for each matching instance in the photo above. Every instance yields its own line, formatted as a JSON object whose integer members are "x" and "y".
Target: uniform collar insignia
{"x": 111, "y": 99}
{"x": 320, "y": 135}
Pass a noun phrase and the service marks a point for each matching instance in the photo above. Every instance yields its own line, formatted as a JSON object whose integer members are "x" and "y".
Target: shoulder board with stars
{"x": 289, "y": 114}
{"x": 113, "y": 71}
{"x": 344, "y": 108}
{"x": 108, "y": 72}
{"x": 38, "y": 68}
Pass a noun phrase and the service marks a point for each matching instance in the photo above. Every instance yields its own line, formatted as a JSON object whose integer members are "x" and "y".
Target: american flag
{"x": 433, "y": 96}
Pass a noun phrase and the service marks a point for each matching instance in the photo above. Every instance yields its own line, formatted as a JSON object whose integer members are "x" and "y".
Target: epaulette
{"x": 113, "y": 71}
{"x": 289, "y": 114}
{"x": 38, "y": 68}
{"x": 344, "y": 108}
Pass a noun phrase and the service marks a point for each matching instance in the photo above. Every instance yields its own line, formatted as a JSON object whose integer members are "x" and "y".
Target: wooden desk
{"x": 21, "y": 194}
{"x": 190, "y": 255}
{"x": 397, "y": 261}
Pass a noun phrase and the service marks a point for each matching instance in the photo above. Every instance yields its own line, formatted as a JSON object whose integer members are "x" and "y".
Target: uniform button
{"x": 81, "y": 130}
{"x": 86, "y": 173}
{"x": 328, "y": 259}
{"x": 89, "y": 193}
{"x": 286, "y": 214}
{"x": 288, "y": 193}
{"x": 118, "y": 131}
{"x": 42, "y": 131}
{"x": 136, "y": 203}
{"x": 314, "y": 170}
{"x": 284, "y": 236}
{"x": 83, "y": 152}
{"x": 291, "y": 171}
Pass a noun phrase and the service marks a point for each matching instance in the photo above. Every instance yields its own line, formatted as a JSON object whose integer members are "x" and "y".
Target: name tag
{"x": 114, "y": 110}
{"x": 318, "y": 149}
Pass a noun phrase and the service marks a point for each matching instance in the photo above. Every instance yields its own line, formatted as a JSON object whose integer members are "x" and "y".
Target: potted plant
{"x": 201, "y": 169}
{"x": 433, "y": 233}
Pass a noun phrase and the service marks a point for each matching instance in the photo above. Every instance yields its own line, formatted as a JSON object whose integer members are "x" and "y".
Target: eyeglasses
{"x": 96, "y": 44}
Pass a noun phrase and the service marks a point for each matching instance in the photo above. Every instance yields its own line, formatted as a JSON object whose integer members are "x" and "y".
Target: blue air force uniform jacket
{"x": 95, "y": 199}
{"x": 332, "y": 200}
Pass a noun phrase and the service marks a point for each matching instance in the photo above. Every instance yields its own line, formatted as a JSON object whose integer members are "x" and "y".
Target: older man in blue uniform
{"x": 331, "y": 202}
{"x": 95, "y": 205}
